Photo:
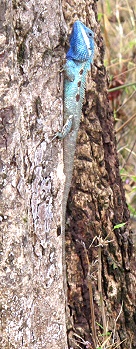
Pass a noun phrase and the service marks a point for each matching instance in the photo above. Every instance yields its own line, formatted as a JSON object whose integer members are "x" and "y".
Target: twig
{"x": 100, "y": 289}
{"x": 126, "y": 101}
{"x": 116, "y": 322}
{"x": 91, "y": 298}
{"x": 121, "y": 87}
{"x": 126, "y": 123}
{"x": 131, "y": 152}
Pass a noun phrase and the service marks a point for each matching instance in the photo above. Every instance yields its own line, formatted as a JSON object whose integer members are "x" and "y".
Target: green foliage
{"x": 132, "y": 43}
{"x": 103, "y": 334}
{"x": 114, "y": 266}
{"x": 109, "y": 9}
{"x": 99, "y": 16}
{"x": 120, "y": 225}
{"x": 132, "y": 210}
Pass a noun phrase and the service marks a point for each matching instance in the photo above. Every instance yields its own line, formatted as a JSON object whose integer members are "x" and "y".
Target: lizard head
{"x": 81, "y": 43}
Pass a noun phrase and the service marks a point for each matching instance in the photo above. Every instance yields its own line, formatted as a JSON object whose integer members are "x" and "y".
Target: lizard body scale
{"x": 78, "y": 60}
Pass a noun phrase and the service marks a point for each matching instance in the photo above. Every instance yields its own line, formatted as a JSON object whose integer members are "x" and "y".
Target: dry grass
{"x": 101, "y": 337}
{"x": 118, "y": 23}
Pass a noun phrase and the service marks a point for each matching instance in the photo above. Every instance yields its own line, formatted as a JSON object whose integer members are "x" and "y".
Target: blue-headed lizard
{"x": 78, "y": 60}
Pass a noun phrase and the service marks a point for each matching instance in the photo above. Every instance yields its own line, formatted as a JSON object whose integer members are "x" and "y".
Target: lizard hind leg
{"x": 66, "y": 128}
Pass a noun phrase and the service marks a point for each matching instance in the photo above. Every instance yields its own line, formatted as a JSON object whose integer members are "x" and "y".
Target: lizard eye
{"x": 90, "y": 34}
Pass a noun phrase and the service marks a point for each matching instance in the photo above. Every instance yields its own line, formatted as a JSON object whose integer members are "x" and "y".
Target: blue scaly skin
{"x": 78, "y": 60}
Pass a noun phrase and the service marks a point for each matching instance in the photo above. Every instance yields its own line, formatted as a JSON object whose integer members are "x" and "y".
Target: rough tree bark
{"x": 33, "y": 309}
{"x": 31, "y": 175}
{"x": 96, "y": 204}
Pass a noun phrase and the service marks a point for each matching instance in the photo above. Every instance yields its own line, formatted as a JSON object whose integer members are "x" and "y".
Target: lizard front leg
{"x": 69, "y": 76}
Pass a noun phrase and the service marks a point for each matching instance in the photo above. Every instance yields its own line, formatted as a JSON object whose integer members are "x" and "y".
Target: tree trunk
{"x": 32, "y": 180}
{"x": 99, "y": 256}
{"x": 33, "y": 307}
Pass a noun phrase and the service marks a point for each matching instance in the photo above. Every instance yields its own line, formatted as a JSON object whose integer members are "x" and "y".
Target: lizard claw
{"x": 65, "y": 130}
